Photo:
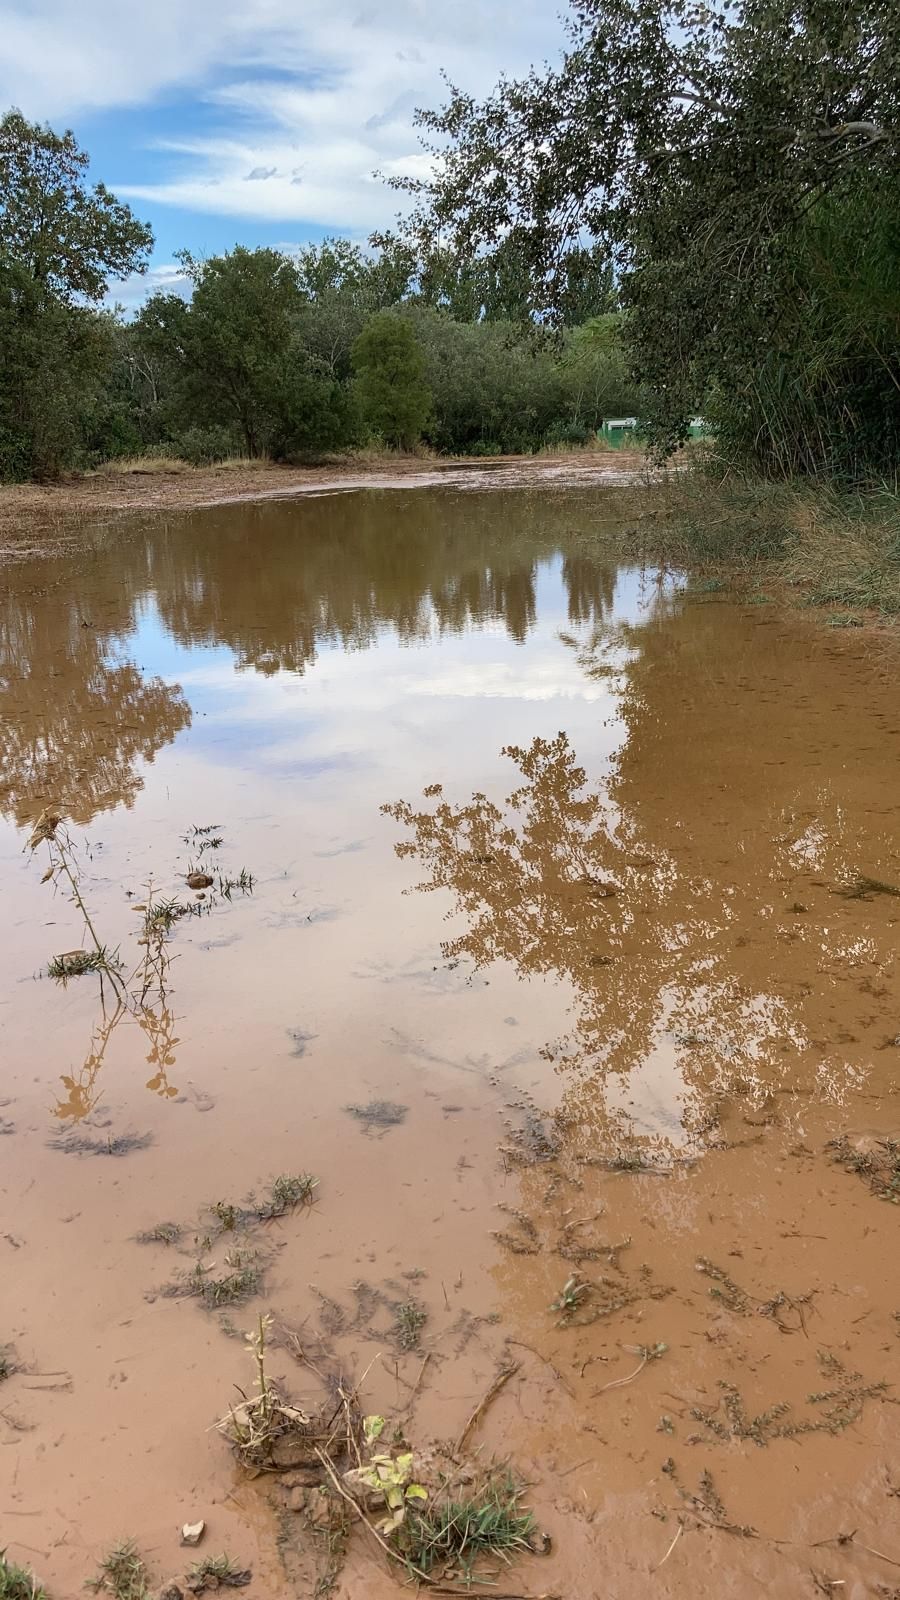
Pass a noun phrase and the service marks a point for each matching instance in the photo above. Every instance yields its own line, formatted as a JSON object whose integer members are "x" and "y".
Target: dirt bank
{"x": 37, "y": 517}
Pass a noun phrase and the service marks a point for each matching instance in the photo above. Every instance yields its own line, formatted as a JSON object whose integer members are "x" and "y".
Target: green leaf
{"x": 373, "y": 1428}
{"x": 415, "y": 1491}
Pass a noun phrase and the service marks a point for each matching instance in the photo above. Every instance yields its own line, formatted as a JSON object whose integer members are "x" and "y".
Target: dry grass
{"x": 153, "y": 465}
{"x": 139, "y": 466}
{"x": 827, "y": 547}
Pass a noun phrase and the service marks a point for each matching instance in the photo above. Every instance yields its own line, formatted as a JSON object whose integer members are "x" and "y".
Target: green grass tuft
{"x": 123, "y": 1573}
{"x": 218, "y": 1572}
{"x": 17, "y": 1583}
{"x": 455, "y": 1533}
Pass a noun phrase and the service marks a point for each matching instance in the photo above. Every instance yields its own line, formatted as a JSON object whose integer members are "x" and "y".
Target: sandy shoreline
{"x": 35, "y": 517}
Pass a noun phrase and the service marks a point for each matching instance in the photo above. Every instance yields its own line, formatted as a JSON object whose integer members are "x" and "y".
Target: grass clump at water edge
{"x": 833, "y": 547}
{"x": 452, "y": 1535}
{"x": 123, "y": 1573}
{"x": 17, "y": 1583}
{"x": 217, "y": 1572}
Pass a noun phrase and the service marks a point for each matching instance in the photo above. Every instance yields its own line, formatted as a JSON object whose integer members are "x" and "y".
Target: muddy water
{"x": 581, "y": 867}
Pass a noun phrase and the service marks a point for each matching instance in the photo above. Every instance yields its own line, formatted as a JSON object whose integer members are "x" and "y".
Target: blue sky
{"x": 256, "y": 121}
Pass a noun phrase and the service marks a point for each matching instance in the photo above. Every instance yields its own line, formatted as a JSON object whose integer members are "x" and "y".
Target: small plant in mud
{"x": 387, "y": 1478}
{"x": 259, "y": 1426}
{"x": 451, "y": 1535}
{"x": 838, "y": 1407}
{"x": 123, "y": 1573}
{"x": 571, "y": 1296}
{"x": 439, "y": 1529}
{"x": 161, "y": 916}
{"x": 243, "y": 884}
{"x": 227, "y": 1215}
{"x": 284, "y": 1194}
{"x": 17, "y": 1583}
{"x": 114, "y": 1144}
{"x": 878, "y": 1162}
{"x": 78, "y": 963}
{"x": 409, "y": 1319}
{"x": 380, "y": 1114}
{"x": 161, "y": 1233}
{"x": 63, "y": 871}
{"x": 241, "y": 1280}
{"x": 217, "y": 1572}
{"x": 8, "y": 1365}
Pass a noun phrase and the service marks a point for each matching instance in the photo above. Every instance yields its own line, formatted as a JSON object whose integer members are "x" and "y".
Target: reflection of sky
{"x": 393, "y": 694}
{"x": 295, "y": 767}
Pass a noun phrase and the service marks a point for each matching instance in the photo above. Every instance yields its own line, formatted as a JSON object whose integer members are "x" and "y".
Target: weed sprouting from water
{"x": 17, "y": 1583}
{"x": 241, "y": 1280}
{"x": 7, "y": 1368}
{"x": 844, "y": 619}
{"x": 864, "y": 888}
{"x": 409, "y": 1319}
{"x": 77, "y": 963}
{"x": 572, "y": 1294}
{"x": 243, "y": 883}
{"x": 162, "y": 1233}
{"x": 123, "y": 1573}
{"x": 878, "y": 1165}
{"x": 162, "y": 915}
{"x": 84, "y": 1144}
{"x": 63, "y": 869}
{"x": 381, "y": 1114}
{"x": 843, "y": 1404}
{"x": 228, "y": 1216}
{"x": 254, "y": 1426}
{"x": 284, "y": 1194}
{"x": 217, "y": 1572}
{"x": 455, "y": 1533}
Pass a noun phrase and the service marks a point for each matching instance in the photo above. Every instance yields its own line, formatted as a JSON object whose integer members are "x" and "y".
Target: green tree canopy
{"x": 61, "y": 242}
{"x": 695, "y": 141}
{"x": 67, "y": 239}
{"x": 389, "y": 365}
{"x": 235, "y": 357}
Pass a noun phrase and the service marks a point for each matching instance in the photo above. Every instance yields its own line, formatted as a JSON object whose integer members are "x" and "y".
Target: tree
{"x": 389, "y": 366}
{"x": 60, "y": 244}
{"x": 236, "y": 358}
{"x": 696, "y": 142}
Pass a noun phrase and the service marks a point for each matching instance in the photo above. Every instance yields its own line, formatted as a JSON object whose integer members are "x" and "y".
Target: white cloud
{"x": 348, "y": 79}
{"x": 165, "y": 277}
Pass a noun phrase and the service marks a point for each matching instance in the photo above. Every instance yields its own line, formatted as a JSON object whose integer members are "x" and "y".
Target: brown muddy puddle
{"x": 626, "y": 973}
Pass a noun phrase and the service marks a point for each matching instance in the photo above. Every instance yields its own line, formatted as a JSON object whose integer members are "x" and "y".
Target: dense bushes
{"x": 267, "y": 354}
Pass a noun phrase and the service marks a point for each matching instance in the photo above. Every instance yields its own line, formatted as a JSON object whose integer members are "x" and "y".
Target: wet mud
{"x": 553, "y": 930}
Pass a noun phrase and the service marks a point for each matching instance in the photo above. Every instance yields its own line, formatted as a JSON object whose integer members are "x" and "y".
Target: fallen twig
{"x": 671, "y": 1547}
{"x": 619, "y": 1383}
{"x": 843, "y": 1539}
{"x": 418, "y": 1383}
{"x": 520, "y": 1343}
{"x": 503, "y": 1377}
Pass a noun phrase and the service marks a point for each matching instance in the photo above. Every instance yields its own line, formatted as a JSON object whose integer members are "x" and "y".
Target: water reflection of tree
{"x": 692, "y": 903}
{"x": 276, "y": 583}
{"x": 75, "y": 717}
{"x": 559, "y": 881}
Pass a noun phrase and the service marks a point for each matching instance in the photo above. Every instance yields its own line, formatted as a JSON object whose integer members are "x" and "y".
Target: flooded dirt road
{"x": 553, "y": 929}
